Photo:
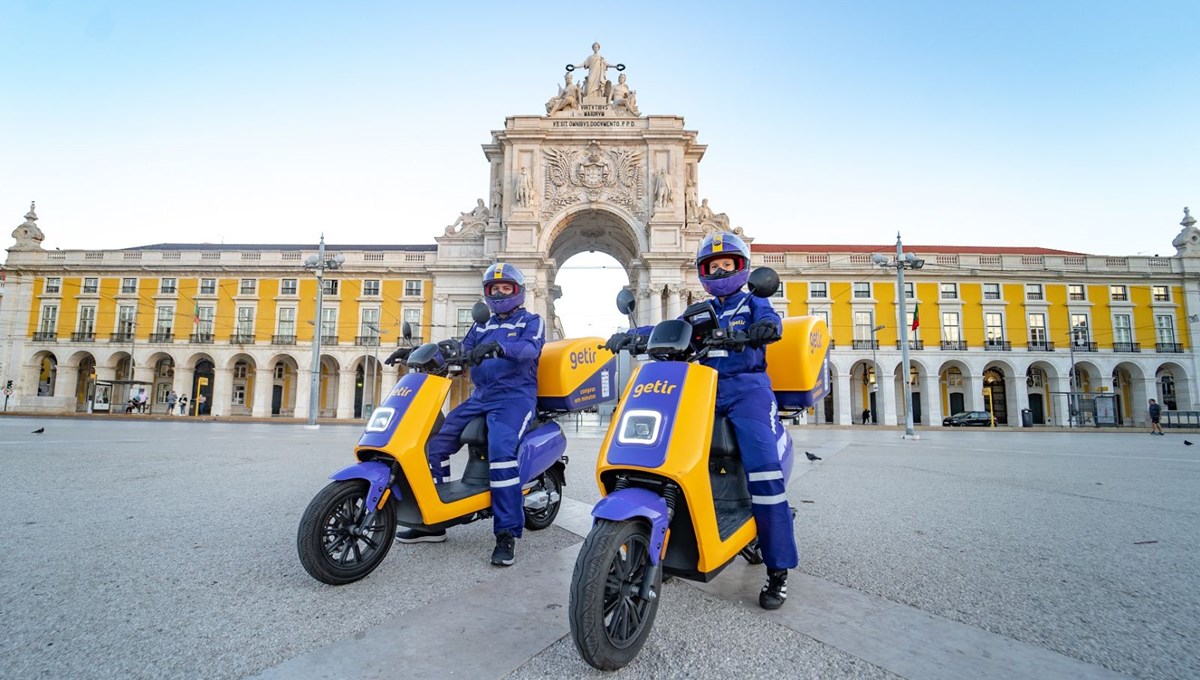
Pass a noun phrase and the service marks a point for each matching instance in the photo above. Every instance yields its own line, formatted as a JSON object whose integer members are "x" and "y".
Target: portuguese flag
{"x": 916, "y": 316}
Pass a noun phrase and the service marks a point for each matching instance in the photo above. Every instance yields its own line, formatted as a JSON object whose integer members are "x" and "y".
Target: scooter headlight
{"x": 639, "y": 427}
{"x": 380, "y": 419}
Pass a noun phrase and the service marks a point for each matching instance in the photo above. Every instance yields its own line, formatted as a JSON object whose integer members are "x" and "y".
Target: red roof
{"x": 917, "y": 249}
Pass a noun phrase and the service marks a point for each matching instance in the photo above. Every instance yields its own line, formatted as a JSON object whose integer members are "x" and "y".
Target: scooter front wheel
{"x": 338, "y": 542}
{"x": 610, "y": 620}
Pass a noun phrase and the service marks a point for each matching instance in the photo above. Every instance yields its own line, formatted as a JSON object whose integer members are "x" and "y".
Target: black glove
{"x": 486, "y": 351}
{"x": 762, "y": 333}
{"x": 398, "y": 356}
{"x": 618, "y": 342}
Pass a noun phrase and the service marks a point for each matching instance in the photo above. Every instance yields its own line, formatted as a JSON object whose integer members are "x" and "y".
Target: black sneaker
{"x": 419, "y": 536}
{"x": 506, "y": 549}
{"x": 775, "y": 591}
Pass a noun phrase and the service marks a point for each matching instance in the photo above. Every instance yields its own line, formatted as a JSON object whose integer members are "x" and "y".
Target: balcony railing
{"x": 1168, "y": 348}
{"x": 1127, "y": 346}
{"x": 912, "y": 344}
{"x": 955, "y": 345}
{"x": 366, "y": 340}
{"x": 1040, "y": 346}
{"x": 1085, "y": 347}
{"x": 329, "y": 340}
{"x": 121, "y": 336}
{"x": 242, "y": 339}
{"x": 866, "y": 344}
{"x": 83, "y": 336}
{"x": 997, "y": 346}
{"x": 283, "y": 339}
{"x": 162, "y": 337}
{"x": 45, "y": 336}
{"x": 201, "y": 338}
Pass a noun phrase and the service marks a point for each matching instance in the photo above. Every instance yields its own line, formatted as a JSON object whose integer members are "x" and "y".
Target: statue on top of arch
{"x": 712, "y": 222}
{"x": 470, "y": 223}
{"x": 595, "y": 95}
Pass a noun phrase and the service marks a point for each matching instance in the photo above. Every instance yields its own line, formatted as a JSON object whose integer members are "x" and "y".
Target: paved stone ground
{"x": 141, "y": 549}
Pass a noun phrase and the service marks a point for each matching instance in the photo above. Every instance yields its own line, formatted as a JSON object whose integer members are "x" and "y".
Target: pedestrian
{"x": 866, "y": 416}
{"x": 171, "y": 399}
{"x": 1155, "y": 415}
{"x": 183, "y": 404}
{"x": 200, "y": 401}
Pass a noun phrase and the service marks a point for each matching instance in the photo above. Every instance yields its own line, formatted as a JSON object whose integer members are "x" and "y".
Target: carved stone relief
{"x": 594, "y": 173}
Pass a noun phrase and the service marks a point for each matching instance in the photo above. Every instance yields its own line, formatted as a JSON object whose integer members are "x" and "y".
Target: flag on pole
{"x": 916, "y": 316}
{"x": 196, "y": 314}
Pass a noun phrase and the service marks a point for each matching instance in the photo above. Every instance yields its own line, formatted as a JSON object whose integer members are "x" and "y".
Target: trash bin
{"x": 1026, "y": 418}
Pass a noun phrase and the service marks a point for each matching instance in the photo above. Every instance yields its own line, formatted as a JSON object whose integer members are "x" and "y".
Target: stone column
{"x": 1018, "y": 393}
{"x": 973, "y": 388}
{"x": 645, "y": 314}
{"x": 931, "y": 400}
{"x": 345, "y": 394}
{"x": 885, "y": 400}
{"x": 66, "y": 379}
{"x": 303, "y": 392}
{"x": 222, "y": 392}
{"x": 263, "y": 380}
{"x": 1148, "y": 389}
{"x": 441, "y": 329}
{"x": 843, "y": 413}
{"x": 184, "y": 376}
{"x": 676, "y": 295}
{"x": 1060, "y": 405}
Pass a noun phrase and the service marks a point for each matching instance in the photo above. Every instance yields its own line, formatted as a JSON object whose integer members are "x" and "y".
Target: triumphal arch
{"x": 592, "y": 174}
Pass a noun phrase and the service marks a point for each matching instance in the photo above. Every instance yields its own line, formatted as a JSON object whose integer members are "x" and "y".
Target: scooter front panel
{"x": 642, "y": 432}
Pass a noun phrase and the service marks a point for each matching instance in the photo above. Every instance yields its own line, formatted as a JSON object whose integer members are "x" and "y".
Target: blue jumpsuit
{"x": 744, "y": 396}
{"x": 506, "y": 392}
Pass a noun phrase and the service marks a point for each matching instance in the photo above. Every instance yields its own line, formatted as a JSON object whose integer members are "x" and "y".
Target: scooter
{"x": 347, "y": 529}
{"x": 675, "y": 499}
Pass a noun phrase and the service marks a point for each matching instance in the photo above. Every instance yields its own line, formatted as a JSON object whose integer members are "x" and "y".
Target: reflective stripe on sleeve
{"x": 769, "y": 500}
{"x": 765, "y": 476}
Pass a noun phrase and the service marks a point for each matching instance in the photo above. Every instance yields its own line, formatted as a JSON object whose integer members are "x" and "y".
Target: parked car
{"x": 968, "y": 419}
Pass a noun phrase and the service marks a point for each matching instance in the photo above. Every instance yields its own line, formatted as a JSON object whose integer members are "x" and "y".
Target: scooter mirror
{"x": 625, "y": 301}
{"x": 480, "y": 313}
{"x": 763, "y": 283}
{"x": 406, "y": 330}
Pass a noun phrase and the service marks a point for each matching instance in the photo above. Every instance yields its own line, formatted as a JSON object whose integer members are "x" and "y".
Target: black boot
{"x": 775, "y": 591}
{"x": 506, "y": 547}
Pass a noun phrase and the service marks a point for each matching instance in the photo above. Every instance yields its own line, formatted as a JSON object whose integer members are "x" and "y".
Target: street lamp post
{"x": 318, "y": 264}
{"x": 874, "y": 373}
{"x": 903, "y": 261}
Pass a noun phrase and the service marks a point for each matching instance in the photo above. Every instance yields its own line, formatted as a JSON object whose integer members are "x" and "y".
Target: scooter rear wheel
{"x": 335, "y": 546}
{"x": 551, "y": 482}
{"x": 610, "y": 621}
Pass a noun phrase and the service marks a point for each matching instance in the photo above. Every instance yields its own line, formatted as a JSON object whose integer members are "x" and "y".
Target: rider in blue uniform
{"x": 744, "y": 396}
{"x": 505, "y": 352}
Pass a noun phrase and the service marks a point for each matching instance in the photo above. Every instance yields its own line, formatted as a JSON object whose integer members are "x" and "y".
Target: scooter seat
{"x": 475, "y": 433}
{"x": 724, "y": 444}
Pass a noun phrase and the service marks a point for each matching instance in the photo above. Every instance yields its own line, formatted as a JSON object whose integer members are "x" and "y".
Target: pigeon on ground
{"x": 39, "y": 430}
{"x": 1186, "y": 443}
{"x": 811, "y": 456}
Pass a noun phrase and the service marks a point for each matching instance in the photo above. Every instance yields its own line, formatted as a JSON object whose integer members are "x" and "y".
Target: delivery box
{"x": 575, "y": 374}
{"x": 798, "y": 365}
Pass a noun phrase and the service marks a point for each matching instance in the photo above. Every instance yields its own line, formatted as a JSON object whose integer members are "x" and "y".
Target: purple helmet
{"x": 723, "y": 244}
{"x": 503, "y": 273}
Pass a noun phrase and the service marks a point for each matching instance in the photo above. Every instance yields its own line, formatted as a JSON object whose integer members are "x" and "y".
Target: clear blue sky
{"x": 1059, "y": 124}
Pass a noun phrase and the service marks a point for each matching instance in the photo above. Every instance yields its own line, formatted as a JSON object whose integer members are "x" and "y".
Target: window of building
{"x": 1079, "y": 330}
{"x": 91, "y": 284}
{"x": 862, "y": 290}
{"x": 949, "y": 291}
{"x": 1161, "y": 293}
{"x": 910, "y": 291}
{"x": 413, "y": 318}
{"x": 1164, "y": 329}
{"x": 53, "y": 284}
{"x": 371, "y": 287}
{"x": 49, "y": 322}
{"x": 129, "y": 285}
{"x": 331, "y": 286}
{"x": 993, "y": 328}
{"x": 165, "y": 320}
{"x": 954, "y": 377}
{"x": 167, "y": 286}
{"x": 204, "y": 320}
{"x": 822, "y": 314}
{"x": 1033, "y": 291}
{"x": 950, "y": 328}
{"x": 125, "y": 320}
{"x": 1122, "y": 329}
{"x": 779, "y": 291}
{"x": 280, "y": 371}
{"x": 1035, "y": 377}
{"x": 991, "y": 291}
{"x": 239, "y": 395}
{"x": 248, "y": 287}
{"x": 287, "y": 287}
{"x": 818, "y": 290}
{"x": 239, "y": 370}
{"x": 287, "y": 321}
{"x": 245, "y": 321}
{"x": 464, "y": 322}
{"x": 412, "y": 288}
{"x": 1037, "y": 329}
{"x": 1118, "y": 293}
{"x": 87, "y": 320}
{"x": 864, "y": 324}
{"x": 329, "y": 322}
{"x": 1076, "y": 292}
{"x": 208, "y": 286}
{"x": 369, "y": 322}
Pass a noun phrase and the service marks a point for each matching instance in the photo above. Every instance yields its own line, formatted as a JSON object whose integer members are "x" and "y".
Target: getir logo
{"x": 656, "y": 387}
{"x": 587, "y": 356}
